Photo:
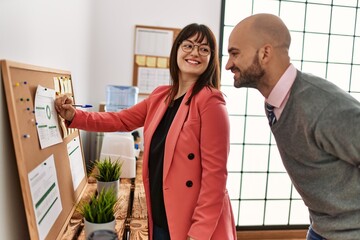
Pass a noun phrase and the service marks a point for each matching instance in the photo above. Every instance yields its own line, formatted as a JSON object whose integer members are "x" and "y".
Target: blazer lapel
{"x": 150, "y": 132}
{"x": 173, "y": 134}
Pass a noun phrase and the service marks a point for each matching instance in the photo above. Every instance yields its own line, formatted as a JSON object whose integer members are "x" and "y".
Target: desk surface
{"x": 135, "y": 219}
{"x": 139, "y": 217}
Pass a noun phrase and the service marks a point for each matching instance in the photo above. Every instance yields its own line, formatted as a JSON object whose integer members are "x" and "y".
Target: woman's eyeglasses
{"x": 203, "y": 50}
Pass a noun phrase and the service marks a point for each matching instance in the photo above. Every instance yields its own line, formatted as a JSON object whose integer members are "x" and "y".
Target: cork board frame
{"x": 151, "y": 56}
{"x": 20, "y": 84}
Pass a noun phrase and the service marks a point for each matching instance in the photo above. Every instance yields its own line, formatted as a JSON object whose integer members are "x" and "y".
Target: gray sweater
{"x": 318, "y": 137}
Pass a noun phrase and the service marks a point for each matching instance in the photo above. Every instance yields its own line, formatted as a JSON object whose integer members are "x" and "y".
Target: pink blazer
{"x": 196, "y": 151}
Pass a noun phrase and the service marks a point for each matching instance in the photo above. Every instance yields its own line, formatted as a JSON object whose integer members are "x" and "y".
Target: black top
{"x": 156, "y": 163}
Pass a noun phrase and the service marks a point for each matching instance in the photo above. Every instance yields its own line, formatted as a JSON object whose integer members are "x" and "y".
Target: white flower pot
{"x": 91, "y": 227}
{"x": 108, "y": 185}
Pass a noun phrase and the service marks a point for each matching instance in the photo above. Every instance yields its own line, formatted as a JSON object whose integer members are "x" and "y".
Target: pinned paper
{"x": 150, "y": 78}
{"x": 45, "y": 195}
{"x": 46, "y": 117}
{"x": 76, "y": 162}
{"x": 151, "y": 61}
{"x": 57, "y": 85}
{"x": 140, "y": 60}
{"x": 162, "y": 62}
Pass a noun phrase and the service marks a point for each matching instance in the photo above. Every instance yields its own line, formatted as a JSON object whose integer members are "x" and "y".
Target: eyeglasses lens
{"x": 203, "y": 50}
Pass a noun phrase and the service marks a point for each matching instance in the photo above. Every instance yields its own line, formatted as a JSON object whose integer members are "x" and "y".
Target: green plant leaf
{"x": 100, "y": 208}
{"x": 107, "y": 170}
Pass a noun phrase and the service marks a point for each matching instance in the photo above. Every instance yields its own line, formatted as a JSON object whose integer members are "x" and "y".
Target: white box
{"x": 120, "y": 146}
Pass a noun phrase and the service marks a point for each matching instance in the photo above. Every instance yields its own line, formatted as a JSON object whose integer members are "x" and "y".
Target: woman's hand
{"x": 63, "y": 105}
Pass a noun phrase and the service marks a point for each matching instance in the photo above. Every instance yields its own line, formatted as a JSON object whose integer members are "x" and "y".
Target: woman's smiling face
{"x": 193, "y": 63}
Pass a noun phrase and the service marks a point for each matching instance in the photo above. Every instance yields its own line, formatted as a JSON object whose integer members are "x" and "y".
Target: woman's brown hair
{"x": 211, "y": 76}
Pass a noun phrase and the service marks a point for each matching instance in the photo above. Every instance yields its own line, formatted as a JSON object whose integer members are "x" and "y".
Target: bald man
{"x": 316, "y": 125}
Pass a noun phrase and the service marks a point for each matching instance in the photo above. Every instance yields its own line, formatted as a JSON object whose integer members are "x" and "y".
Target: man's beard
{"x": 251, "y": 76}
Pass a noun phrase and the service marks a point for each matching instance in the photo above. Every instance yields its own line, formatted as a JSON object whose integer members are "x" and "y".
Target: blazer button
{"x": 191, "y": 156}
{"x": 189, "y": 183}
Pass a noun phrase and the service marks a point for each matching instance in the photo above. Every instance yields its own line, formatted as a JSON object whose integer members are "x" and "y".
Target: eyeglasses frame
{"x": 195, "y": 45}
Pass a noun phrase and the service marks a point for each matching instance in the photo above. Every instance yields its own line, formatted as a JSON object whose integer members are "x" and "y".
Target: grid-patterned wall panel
{"x": 326, "y": 42}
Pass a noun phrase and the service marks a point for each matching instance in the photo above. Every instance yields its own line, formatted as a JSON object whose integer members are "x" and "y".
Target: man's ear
{"x": 265, "y": 53}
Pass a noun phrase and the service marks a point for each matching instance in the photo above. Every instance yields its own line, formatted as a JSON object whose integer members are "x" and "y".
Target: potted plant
{"x": 107, "y": 173}
{"x": 99, "y": 212}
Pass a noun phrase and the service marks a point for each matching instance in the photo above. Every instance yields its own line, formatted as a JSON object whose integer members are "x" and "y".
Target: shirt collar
{"x": 281, "y": 89}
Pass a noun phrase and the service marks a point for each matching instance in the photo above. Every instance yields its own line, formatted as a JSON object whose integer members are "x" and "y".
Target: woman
{"x": 186, "y": 142}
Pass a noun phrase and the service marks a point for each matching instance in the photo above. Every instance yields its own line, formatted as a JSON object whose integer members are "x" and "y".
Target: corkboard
{"x": 151, "y": 57}
{"x": 21, "y": 83}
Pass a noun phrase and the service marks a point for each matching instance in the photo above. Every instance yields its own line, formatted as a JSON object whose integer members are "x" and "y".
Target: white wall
{"x": 115, "y": 22}
{"x": 92, "y": 39}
